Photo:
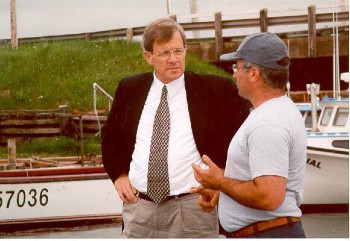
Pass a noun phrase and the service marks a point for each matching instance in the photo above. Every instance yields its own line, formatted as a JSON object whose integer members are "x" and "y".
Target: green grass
{"x": 46, "y": 75}
{"x": 51, "y": 147}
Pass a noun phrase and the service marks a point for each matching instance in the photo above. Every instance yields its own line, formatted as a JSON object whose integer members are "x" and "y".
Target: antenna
{"x": 288, "y": 83}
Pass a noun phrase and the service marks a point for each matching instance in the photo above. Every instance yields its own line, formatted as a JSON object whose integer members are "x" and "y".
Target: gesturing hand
{"x": 209, "y": 178}
{"x": 207, "y": 198}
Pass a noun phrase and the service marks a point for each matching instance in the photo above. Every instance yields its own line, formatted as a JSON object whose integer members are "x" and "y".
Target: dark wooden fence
{"x": 263, "y": 22}
{"x": 47, "y": 123}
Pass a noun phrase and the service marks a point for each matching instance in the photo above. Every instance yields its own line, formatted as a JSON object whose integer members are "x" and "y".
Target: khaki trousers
{"x": 176, "y": 218}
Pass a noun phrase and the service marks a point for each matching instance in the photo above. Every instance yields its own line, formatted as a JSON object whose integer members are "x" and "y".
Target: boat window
{"x": 308, "y": 119}
{"x": 341, "y": 117}
{"x": 341, "y": 144}
{"x": 326, "y": 116}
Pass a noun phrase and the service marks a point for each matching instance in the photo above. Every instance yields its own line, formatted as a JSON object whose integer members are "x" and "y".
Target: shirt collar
{"x": 172, "y": 87}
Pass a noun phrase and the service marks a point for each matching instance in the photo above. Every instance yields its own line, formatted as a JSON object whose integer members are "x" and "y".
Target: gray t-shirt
{"x": 272, "y": 141}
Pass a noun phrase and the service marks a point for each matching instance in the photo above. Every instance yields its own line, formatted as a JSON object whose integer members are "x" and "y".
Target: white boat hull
{"x": 41, "y": 200}
{"x": 327, "y": 172}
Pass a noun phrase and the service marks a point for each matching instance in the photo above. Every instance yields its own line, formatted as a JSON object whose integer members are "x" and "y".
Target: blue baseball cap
{"x": 263, "y": 49}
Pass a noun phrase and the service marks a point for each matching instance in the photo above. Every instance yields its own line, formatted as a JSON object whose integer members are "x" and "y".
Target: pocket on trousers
{"x": 195, "y": 219}
{"x": 137, "y": 215}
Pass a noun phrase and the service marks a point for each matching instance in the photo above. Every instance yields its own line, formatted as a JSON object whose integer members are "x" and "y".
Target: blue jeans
{"x": 294, "y": 230}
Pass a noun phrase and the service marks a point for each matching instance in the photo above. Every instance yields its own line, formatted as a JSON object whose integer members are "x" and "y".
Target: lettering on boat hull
{"x": 21, "y": 198}
{"x": 314, "y": 163}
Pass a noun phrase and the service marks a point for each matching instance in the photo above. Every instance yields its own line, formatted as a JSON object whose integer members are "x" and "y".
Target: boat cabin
{"x": 334, "y": 116}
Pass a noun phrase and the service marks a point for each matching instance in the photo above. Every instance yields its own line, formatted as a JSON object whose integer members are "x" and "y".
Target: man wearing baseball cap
{"x": 262, "y": 186}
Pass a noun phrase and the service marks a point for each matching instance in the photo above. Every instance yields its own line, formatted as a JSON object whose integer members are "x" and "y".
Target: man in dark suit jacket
{"x": 205, "y": 112}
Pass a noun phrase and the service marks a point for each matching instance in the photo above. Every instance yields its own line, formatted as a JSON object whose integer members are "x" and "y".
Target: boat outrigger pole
{"x": 313, "y": 90}
{"x": 336, "y": 80}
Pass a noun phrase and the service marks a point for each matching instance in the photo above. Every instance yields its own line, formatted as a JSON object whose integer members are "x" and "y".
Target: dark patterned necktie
{"x": 158, "y": 187}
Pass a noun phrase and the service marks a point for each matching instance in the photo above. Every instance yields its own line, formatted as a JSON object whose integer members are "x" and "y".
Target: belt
{"x": 144, "y": 196}
{"x": 261, "y": 226}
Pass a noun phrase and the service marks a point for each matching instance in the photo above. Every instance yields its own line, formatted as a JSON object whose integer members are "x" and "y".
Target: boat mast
{"x": 337, "y": 53}
{"x": 336, "y": 81}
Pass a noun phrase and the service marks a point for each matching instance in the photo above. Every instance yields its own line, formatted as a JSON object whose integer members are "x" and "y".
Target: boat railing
{"x": 328, "y": 134}
{"x": 98, "y": 88}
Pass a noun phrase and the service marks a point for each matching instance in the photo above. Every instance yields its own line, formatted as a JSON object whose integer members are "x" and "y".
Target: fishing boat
{"x": 49, "y": 195}
{"x": 54, "y": 191}
{"x": 327, "y": 169}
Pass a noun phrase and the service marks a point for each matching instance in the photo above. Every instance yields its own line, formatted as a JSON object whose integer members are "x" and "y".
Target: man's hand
{"x": 126, "y": 191}
{"x": 209, "y": 178}
{"x": 207, "y": 198}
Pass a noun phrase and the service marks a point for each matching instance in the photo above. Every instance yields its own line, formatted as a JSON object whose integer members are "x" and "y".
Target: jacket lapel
{"x": 137, "y": 101}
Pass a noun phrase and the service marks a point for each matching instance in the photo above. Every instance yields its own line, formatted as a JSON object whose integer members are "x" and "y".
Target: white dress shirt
{"x": 182, "y": 148}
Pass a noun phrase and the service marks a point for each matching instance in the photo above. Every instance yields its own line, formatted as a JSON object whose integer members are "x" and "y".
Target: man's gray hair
{"x": 276, "y": 78}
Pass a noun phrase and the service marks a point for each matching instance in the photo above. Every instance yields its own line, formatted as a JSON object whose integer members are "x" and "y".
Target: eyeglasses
{"x": 235, "y": 68}
{"x": 178, "y": 52}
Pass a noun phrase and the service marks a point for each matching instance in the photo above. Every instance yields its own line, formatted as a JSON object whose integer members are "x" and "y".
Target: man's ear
{"x": 148, "y": 57}
{"x": 254, "y": 73}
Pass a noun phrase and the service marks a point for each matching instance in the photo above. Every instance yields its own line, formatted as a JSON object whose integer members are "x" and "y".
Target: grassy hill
{"x": 46, "y": 75}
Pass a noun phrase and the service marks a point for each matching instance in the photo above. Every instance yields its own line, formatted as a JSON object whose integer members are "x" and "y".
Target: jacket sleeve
{"x": 232, "y": 110}
{"x": 111, "y": 133}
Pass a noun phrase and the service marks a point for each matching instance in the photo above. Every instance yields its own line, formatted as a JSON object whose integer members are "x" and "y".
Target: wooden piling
{"x": 312, "y": 31}
{"x": 218, "y": 35}
{"x": 168, "y": 6}
{"x": 14, "y": 39}
{"x": 263, "y": 20}
{"x": 81, "y": 140}
{"x": 63, "y": 110}
{"x": 194, "y": 10}
{"x": 88, "y": 36}
{"x": 11, "y": 143}
{"x": 129, "y": 35}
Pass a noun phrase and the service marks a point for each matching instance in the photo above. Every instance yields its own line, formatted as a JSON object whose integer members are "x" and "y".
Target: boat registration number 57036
{"x": 21, "y": 198}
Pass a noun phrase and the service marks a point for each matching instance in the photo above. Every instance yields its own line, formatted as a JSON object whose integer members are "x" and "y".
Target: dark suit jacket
{"x": 216, "y": 112}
